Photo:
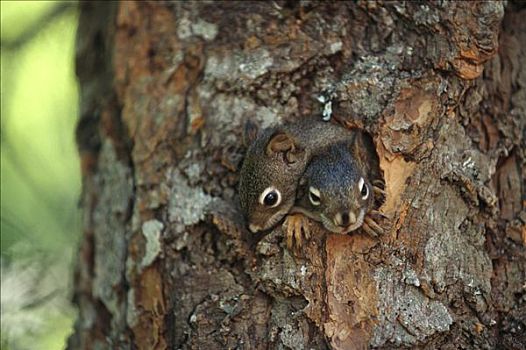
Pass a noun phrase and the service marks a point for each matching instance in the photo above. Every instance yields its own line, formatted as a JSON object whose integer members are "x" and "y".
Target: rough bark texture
{"x": 165, "y": 261}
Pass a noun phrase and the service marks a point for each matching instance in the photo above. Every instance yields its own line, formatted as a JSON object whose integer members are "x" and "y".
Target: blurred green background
{"x": 40, "y": 179}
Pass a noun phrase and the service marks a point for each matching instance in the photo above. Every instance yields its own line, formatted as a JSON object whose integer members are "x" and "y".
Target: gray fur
{"x": 261, "y": 170}
{"x": 336, "y": 174}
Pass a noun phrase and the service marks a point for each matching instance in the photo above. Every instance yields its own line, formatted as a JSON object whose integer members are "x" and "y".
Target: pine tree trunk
{"x": 165, "y": 260}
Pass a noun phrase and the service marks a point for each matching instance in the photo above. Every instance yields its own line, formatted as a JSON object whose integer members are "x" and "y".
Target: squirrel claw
{"x": 372, "y": 228}
{"x": 369, "y": 230}
{"x": 378, "y": 183}
{"x": 296, "y": 228}
{"x": 379, "y": 190}
{"x": 378, "y": 213}
{"x": 297, "y": 232}
{"x": 290, "y": 237}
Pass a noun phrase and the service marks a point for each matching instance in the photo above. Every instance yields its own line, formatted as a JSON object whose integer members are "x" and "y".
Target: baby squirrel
{"x": 274, "y": 163}
{"x": 339, "y": 189}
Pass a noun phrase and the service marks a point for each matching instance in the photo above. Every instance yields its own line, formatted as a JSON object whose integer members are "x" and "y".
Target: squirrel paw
{"x": 371, "y": 227}
{"x": 296, "y": 228}
{"x": 378, "y": 214}
{"x": 379, "y": 191}
{"x": 378, "y": 183}
{"x": 379, "y": 195}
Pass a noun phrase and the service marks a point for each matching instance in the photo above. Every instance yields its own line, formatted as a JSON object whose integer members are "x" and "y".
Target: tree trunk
{"x": 165, "y": 260}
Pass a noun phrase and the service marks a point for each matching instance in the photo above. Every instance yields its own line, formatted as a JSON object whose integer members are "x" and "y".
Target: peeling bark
{"x": 165, "y": 260}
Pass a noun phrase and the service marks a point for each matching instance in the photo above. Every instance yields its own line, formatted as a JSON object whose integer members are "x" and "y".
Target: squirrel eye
{"x": 314, "y": 196}
{"x": 270, "y": 197}
{"x": 364, "y": 190}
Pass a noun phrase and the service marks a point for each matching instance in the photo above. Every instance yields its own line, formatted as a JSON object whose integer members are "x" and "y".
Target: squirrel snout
{"x": 345, "y": 219}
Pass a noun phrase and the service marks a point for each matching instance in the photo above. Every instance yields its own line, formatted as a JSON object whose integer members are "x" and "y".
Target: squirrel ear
{"x": 283, "y": 143}
{"x": 280, "y": 142}
{"x": 250, "y": 132}
{"x": 364, "y": 149}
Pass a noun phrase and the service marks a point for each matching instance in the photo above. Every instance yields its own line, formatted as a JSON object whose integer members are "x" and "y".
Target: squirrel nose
{"x": 345, "y": 219}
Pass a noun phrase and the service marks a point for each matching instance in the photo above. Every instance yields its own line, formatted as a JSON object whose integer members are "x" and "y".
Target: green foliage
{"x": 40, "y": 179}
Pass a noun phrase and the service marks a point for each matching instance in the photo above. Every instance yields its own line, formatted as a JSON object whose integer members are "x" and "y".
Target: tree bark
{"x": 165, "y": 260}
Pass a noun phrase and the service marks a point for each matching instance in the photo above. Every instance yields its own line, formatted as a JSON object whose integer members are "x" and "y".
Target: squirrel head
{"x": 268, "y": 178}
{"x": 335, "y": 190}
